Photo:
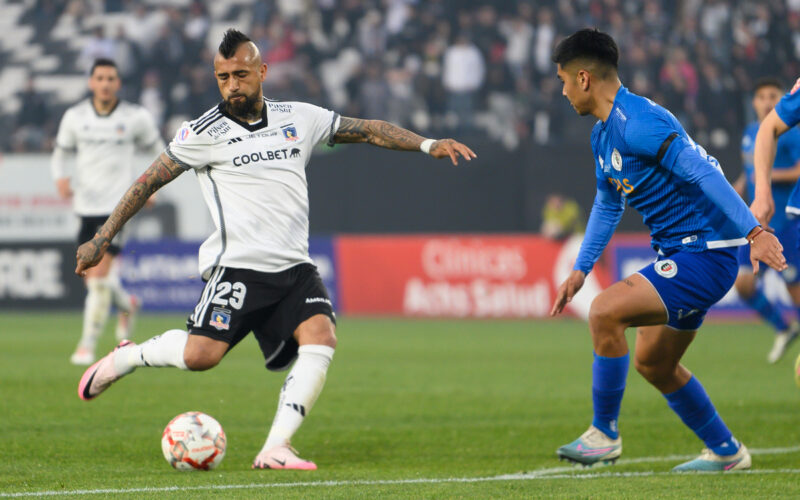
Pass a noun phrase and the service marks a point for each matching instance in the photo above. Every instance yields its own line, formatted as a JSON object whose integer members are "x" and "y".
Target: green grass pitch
{"x": 411, "y": 409}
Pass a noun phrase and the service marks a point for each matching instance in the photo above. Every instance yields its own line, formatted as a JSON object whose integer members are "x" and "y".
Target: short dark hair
{"x": 589, "y": 44}
{"x": 102, "y": 61}
{"x": 231, "y": 41}
{"x": 768, "y": 81}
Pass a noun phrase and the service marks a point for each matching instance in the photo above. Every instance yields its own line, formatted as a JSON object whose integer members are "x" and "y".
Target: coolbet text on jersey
{"x": 253, "y": 180}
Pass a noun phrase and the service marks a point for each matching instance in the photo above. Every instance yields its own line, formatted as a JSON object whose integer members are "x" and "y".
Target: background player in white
{"x": 104, "y": 132}
{"x": 249, "y": 155}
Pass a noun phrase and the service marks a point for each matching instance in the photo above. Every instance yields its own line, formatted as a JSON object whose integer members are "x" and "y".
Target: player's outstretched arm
{"x": 763, "y": 206}
{"x": 389, "y": 136}
{"x": 162, "y": 171}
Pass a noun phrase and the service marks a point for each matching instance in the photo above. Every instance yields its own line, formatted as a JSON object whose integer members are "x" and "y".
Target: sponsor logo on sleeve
{"x": 182, "y": 134}
{"x": 318, "y": 300}
{"x": 666, "y": 268}
{"x": 606, "y": 168}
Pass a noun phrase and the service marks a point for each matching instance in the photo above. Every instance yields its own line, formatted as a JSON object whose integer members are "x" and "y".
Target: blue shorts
{"x": 689, "y": 283}
{"x": 788, "y": 236}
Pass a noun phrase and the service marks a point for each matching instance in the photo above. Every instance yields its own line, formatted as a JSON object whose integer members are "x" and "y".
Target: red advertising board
{"x": 458, "y": 276}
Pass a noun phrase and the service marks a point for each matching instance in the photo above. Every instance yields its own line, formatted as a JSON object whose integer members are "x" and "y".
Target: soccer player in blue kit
{"x": 766, "y": 94}
{"x": 644, "y": 157}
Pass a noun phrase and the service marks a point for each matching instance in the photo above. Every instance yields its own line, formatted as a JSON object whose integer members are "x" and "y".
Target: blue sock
{"x": 767, "y": 310}
{"x": 692, "y": 404}
{"x": 608, "y": 386}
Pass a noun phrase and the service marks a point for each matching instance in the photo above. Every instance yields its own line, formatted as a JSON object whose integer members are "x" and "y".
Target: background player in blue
{"x": 644, "y": 157}
{"x": 766, "y": 95}
{"x": 779, "y": 121}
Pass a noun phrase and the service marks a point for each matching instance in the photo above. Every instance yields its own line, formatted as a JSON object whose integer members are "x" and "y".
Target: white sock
{"x": 299, "y": 392}
{"x": 122, "y": 300}
{"x": 95, "y": 312}
{"x": 162, "y": 350}
{"x": 120, "y": 296}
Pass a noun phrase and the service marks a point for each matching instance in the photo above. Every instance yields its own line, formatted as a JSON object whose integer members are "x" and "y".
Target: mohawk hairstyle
{"x": 231, "y": 41}
{"x": 589, "y": 44}
{"x": 102, "y": 61}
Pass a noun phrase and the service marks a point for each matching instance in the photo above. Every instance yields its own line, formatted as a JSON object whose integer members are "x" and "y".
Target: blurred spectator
{"x": 152, "y": 99}
{"x": 519, "y": 39}
{"x": 561, "y": 217}
{"x": 373, "y": 93}
{"x": 478, "y": 65}
{"x": 30, "y": 130}
{"x": 462, "y": 76}
{"x": 98, "y": 47}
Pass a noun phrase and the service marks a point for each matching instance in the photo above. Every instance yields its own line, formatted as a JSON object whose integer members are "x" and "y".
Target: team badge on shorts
{"x": 666, "y": 268}
{"x": 220, "y": 319}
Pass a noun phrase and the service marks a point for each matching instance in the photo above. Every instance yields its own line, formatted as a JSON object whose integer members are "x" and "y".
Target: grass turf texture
{"x": 404, "y": 400}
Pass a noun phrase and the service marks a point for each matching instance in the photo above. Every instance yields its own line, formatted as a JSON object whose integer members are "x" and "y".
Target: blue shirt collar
{"x": 621, "y": 90}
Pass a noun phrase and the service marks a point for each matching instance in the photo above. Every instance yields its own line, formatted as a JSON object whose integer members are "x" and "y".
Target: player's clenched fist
{"x": 89, "y": 255}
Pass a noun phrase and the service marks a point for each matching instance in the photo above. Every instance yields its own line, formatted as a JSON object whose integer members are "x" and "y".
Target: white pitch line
{"x": 666, "y": 458}
{"x": 539, "y": 474}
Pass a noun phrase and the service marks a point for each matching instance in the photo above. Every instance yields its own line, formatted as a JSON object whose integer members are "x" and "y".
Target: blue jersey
{"x": 645, "y": 158}
{"x": 788, "y": 109}
{"x": 787, "y": 156}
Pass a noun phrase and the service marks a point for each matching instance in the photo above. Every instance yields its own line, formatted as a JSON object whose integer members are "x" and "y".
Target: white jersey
{"x": 105, "y": 145}
{"x": 253, "y": 180}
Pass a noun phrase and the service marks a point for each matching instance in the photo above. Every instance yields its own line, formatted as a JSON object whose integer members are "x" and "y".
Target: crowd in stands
{"x": 441, "y": 67}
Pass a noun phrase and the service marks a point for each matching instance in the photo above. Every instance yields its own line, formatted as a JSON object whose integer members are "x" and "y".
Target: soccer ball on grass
{"x": 193, "y": 441}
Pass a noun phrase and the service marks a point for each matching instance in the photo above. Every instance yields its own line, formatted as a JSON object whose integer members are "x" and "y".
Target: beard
{"x": 244, "y": 108}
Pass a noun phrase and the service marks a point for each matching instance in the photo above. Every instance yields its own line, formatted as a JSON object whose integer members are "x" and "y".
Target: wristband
{"x": 753, "y": 238}
{"x": 425, "y": 147}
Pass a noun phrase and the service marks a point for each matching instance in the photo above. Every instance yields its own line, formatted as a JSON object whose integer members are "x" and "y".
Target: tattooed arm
{"x": 386, "y": 135}
{"x": 162, "y": 171}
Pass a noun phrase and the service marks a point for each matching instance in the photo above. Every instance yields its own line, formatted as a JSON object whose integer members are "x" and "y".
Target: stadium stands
{"x": 387, "y": 59}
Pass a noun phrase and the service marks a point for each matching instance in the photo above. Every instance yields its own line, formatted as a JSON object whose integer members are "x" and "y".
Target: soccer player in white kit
{"x": 103, "y": 131}
{"x": 249, "y": 155}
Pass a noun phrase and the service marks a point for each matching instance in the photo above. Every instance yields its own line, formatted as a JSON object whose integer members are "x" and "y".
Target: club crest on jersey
{"x": 616, "y": 160}
{"x": 290, "y": 133}
{"x": 666, "y": 268}
{"x": 182, "y": 134}
{"x": 120, "y": 128}
{"x": 220, "y": 319}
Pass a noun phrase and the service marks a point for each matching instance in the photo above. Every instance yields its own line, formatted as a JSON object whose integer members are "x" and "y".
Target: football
{"x": 193, "y": 441}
